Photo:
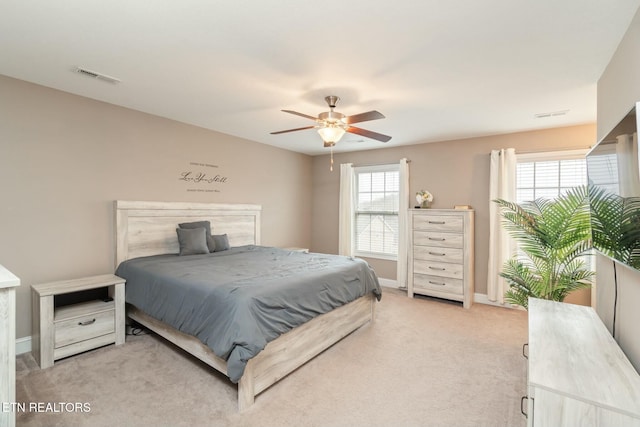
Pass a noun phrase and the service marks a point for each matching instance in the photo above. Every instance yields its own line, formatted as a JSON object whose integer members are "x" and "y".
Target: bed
{"x": 146, "y": 232}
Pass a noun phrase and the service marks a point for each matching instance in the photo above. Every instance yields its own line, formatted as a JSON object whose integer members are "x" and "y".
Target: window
{"x": 603, "y": 168}
{"x": 376, "y": 211}
{"x": 549, "y": 174}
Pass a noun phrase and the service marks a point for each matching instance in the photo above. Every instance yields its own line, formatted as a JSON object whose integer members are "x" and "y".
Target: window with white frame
{"x": 549, "y": 174}
{"x": 377, "y": 195}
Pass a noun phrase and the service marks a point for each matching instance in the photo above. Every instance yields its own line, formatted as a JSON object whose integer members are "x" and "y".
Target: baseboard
{"x": 477, "y": 298}
{"x": 23, "y": 345}
{"x": 484, "y": 299}
{"x": 388, "y": 283}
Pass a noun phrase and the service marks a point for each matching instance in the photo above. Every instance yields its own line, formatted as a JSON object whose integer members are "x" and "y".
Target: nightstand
{"x": 58, "y": 332}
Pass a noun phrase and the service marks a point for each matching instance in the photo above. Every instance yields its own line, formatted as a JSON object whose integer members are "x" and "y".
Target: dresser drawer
{"x": 438, "y": 254}
{"x": 438, "y": 223}
{"x": 439, "y": 284}
{"x": 84, "y": 321}
{"x": 441, "y": 269}
{"x": 432, "y": 238}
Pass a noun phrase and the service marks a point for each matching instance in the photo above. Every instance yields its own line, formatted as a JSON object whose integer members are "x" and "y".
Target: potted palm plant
{"x": 553, "y": 236}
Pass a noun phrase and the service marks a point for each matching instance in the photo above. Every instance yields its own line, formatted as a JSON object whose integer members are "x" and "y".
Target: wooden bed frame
{"x": 148, "y": 228}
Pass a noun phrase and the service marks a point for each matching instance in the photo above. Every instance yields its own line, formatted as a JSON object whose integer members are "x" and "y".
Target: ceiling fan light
{"x": 331, "y": 134}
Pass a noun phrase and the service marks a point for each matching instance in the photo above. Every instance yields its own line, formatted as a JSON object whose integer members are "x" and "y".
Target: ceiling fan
{"x": 332, "y": 125}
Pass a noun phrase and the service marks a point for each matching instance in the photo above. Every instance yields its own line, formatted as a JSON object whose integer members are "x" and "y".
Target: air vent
{"x": 550, "y": 114}
{"x": 96, "y": 75}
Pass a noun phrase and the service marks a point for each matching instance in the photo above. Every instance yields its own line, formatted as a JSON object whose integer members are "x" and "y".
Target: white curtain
{"x": 627, "y": 153}
{"x": 403, "y": 225}
{"x": 502, "y": 185}
{"x": 346, "y": 208}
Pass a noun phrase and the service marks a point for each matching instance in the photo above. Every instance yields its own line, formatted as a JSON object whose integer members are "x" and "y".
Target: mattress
{"x": 238, "y": 300}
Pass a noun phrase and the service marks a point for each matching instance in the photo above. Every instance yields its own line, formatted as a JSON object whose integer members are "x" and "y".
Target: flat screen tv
{"x": 614, "y": 192}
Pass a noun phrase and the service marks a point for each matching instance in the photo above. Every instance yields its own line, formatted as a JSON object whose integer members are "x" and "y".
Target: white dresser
{"x": 8, "y": 283}
{"x": 441, "y": 254}
{"x": 578, "y": 376}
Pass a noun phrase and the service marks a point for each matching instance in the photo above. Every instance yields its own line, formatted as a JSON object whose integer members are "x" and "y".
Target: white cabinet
{"x": 578, "y": 376}
{"x": 8, "y": 283}
{"x": 441, "y": 257}
{"x": 63, "y": 331}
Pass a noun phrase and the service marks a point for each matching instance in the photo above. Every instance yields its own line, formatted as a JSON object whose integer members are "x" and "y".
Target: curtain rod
{"x": 555, "y": 149}
{"x": 375, "y": 164}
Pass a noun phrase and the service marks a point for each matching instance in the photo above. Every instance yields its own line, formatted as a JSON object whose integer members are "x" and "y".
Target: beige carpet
{"x": 422, "y": 362}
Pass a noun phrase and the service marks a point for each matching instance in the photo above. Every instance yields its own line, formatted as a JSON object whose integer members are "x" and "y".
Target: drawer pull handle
{"x": 522, "y": 405}
{"x": 437, "y": 283}
{"x": 437, "y": 222}
{"x": 437, "y": 268}
{"x": 439, "y": 239}
{"x": 526, "y": 355}
{"x": 436, "y": 253}
{"x": 87, "y": 322}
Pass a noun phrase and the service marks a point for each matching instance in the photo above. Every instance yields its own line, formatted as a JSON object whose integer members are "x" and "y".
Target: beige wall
{"x": 455, "y": 172}
{"x": 618, "y": 91}
{"x": 64, "y": 159}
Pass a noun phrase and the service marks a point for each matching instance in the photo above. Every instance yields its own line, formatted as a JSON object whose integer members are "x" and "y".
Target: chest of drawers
{"x": 441, "y": 254}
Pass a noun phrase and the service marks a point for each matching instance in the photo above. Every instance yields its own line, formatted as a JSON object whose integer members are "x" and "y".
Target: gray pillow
{"x": 199, "y": 224}
{"x": 193, "y": 241}
{"x": 222, "y": 242}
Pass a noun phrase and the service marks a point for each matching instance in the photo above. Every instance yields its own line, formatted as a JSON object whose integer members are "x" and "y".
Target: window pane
{"x": 377, "y": 181}
{"x": 546, "y": 174}
{"x": 392, "y": 182}
{"x": 573, "y": 173}
{"x": 524, "y": 195}
{"x": 547, "y": 193}
{"x": 524, "y": 175}
{"x": 391, "y": 234}
{"x": 378, "y": 202}
{"x": 363, "y": 235}
{"x": 377, "y": 234}
{"x": 364, "y": 201}
{"x": 364, "y": 182}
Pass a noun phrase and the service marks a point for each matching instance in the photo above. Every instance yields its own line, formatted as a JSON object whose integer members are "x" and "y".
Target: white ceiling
{"x": 438, "y": 70}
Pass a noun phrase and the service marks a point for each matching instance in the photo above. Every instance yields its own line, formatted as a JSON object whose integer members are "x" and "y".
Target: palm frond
{"x": 615, "y": 224}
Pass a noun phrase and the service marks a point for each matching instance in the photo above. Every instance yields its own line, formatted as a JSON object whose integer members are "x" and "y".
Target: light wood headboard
{"x": 149, "y": 228}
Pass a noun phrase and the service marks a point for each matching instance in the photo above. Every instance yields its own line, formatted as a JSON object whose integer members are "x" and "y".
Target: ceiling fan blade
{"x": 364, "y": 117}
{"x": 368, "y": 134}
{"x": 306, "y": 116}
{"x": 291, "y": 130}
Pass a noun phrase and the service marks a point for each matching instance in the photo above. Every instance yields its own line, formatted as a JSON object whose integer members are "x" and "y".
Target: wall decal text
{"x": 195, "y": 176}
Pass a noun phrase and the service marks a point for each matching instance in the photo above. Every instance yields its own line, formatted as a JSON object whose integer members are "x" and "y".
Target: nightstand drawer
{"x": 438, "y": 223}
{"x": 81, "y": 322}
{"x": 439, "y": 284}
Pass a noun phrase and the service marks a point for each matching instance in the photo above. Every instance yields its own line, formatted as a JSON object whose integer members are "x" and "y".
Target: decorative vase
{"x": 426, "y": 205}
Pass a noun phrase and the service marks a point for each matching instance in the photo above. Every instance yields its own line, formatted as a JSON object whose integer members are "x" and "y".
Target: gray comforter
{"x": 236, "y": 301}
